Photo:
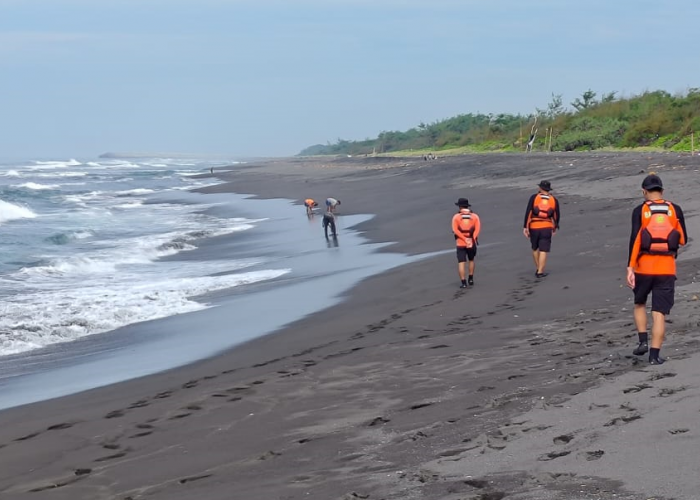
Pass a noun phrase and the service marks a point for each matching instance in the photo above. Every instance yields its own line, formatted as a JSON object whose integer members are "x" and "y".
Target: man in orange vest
{"x": 542, "y": 218}
{"x": 310, "y": 204}
{"x": 658, "y": 230}
{"x": 466, "y": 227}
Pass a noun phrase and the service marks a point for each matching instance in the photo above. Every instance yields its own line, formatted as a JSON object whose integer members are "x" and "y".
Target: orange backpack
{"x": 659, "y": 233}
{"x": 466, "y": 227}
{"x": 543, "y": 208}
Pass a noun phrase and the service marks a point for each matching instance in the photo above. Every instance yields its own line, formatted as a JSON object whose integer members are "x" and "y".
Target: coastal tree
{"x": 587, "y": 100}
{"x": 609, "y": 97}
{"x": 554, "y": 108}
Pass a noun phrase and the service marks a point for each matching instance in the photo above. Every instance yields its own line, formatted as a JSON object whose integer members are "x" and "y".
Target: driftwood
{"x": 533, "y": 134}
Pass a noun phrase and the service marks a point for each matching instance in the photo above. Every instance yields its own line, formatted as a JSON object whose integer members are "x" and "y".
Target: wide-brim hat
{"x": 463, "y": 202}
{"x": 546, "y": 185}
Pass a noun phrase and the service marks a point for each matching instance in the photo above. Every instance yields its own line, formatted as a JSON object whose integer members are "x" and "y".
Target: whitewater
{"x": 88, "y": 247}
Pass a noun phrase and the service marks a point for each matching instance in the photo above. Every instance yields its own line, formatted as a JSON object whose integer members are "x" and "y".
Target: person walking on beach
{"x": 542, "y": 218}
{"x": 658, "y": 230}
{"x": 331, "y": 204}
{"x": 310, "y": 204}
{"x": 466, "y": 227}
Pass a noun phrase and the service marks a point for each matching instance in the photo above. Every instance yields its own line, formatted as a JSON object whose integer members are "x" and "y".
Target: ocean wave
{"x": 58, "y": 164}
{"x": 129, "y": 251}
{"x": 38, "y": 187}
{"x": 8, "y": 211}
{"x": 62, "y": 174}
{"x": 135, "y": 191}
{"x": 82, "y": 198}
{"x": 133, "y": 204}
{"x": 33, "y": 321}
{"x": 64, "y": 238}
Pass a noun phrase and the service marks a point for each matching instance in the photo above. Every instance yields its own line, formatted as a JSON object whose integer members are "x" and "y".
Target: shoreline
{"x": 364, "y": 397}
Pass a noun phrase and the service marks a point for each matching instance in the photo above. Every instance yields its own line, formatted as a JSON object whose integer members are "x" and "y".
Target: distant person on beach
{"x": 542, "y": 218}
{"x": 331, "y": 204}
{"x": 658, "y": 230}
{"x": 466, "y": 227}
{"x": 329, "y": 223}
{"x": 310, "y": 204}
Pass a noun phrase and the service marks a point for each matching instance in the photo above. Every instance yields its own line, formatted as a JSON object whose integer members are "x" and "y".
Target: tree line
{"x": 654, "y": 119}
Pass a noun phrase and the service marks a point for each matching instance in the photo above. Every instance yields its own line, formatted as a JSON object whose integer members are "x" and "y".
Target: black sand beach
{"x": 411, "y": 389}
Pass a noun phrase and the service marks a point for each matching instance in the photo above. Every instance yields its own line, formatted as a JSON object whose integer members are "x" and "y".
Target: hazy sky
{"x": 270, "y": 77}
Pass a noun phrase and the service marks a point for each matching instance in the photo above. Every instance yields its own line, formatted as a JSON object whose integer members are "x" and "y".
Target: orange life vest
{"x": 466, "y": 226}
{"x": 659, "y": 234}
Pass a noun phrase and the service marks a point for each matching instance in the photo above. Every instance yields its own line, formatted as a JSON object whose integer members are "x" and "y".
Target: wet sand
{"x": 517, "y": 388}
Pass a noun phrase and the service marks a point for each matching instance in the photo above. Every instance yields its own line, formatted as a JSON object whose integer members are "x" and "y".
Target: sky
{"x": 270, "y": 77}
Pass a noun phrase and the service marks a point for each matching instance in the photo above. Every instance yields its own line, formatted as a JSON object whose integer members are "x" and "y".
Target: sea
{"x": 111, "y": 269}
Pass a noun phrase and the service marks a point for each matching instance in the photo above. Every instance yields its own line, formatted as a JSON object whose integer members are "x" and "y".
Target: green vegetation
{"x": 652, "y": 120}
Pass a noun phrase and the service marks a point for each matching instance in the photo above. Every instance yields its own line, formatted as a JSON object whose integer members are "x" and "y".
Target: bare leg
{"x": 472, "y": 265}
{"x": 461, "y": 266}
{"x": 640, "y": 317}
{"x": 658, "y": 329}
{"x": 541, "y": 262}
{"x": 536, "y": 257}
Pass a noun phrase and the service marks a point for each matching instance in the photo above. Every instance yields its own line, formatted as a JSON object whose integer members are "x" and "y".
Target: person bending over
{"x": 332, "y": 204}
{"x": 310, "y": 204}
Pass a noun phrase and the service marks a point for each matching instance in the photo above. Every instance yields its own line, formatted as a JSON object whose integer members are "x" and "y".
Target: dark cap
{"x": 463, "y": 203}
{"x": 546, "y": 185}
{"x": 651, "y": 182}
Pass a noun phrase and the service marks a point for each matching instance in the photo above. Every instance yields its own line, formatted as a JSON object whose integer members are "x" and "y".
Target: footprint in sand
{"x": 180, "y": 416}
{"x": 479, "y": 484}
{"x": 566, "y": 438}
{"x": 268, "y": 455}
{"x": 636, "y": 388}
{"x": 594, "y": 455}
{"x": 115, "y": 414}
{"x": 378, "y": 421}
{"x": 670, "y": 391}
{"x": 28, "y": 436}
{"x": 553, "y": 455}
{"x": 452, "y": 453}
{"x": 191, "y": 479}
{"x": 265, "y": 363}
{"x": 418, "y": 406}
{"x": 56, "y": 427}
{"x": 111, "y": 457}
{"x": 678, "y": 431}
{"x": 623, "y": 420}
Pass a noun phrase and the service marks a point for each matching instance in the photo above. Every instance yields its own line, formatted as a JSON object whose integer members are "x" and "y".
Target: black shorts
{"x": 541, "y": 239}
{"x": 464, "y": 254}
{"x": 661, "y": 287}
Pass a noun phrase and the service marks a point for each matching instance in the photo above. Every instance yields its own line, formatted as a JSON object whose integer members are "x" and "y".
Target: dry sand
{"x": 515, "y": 389}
